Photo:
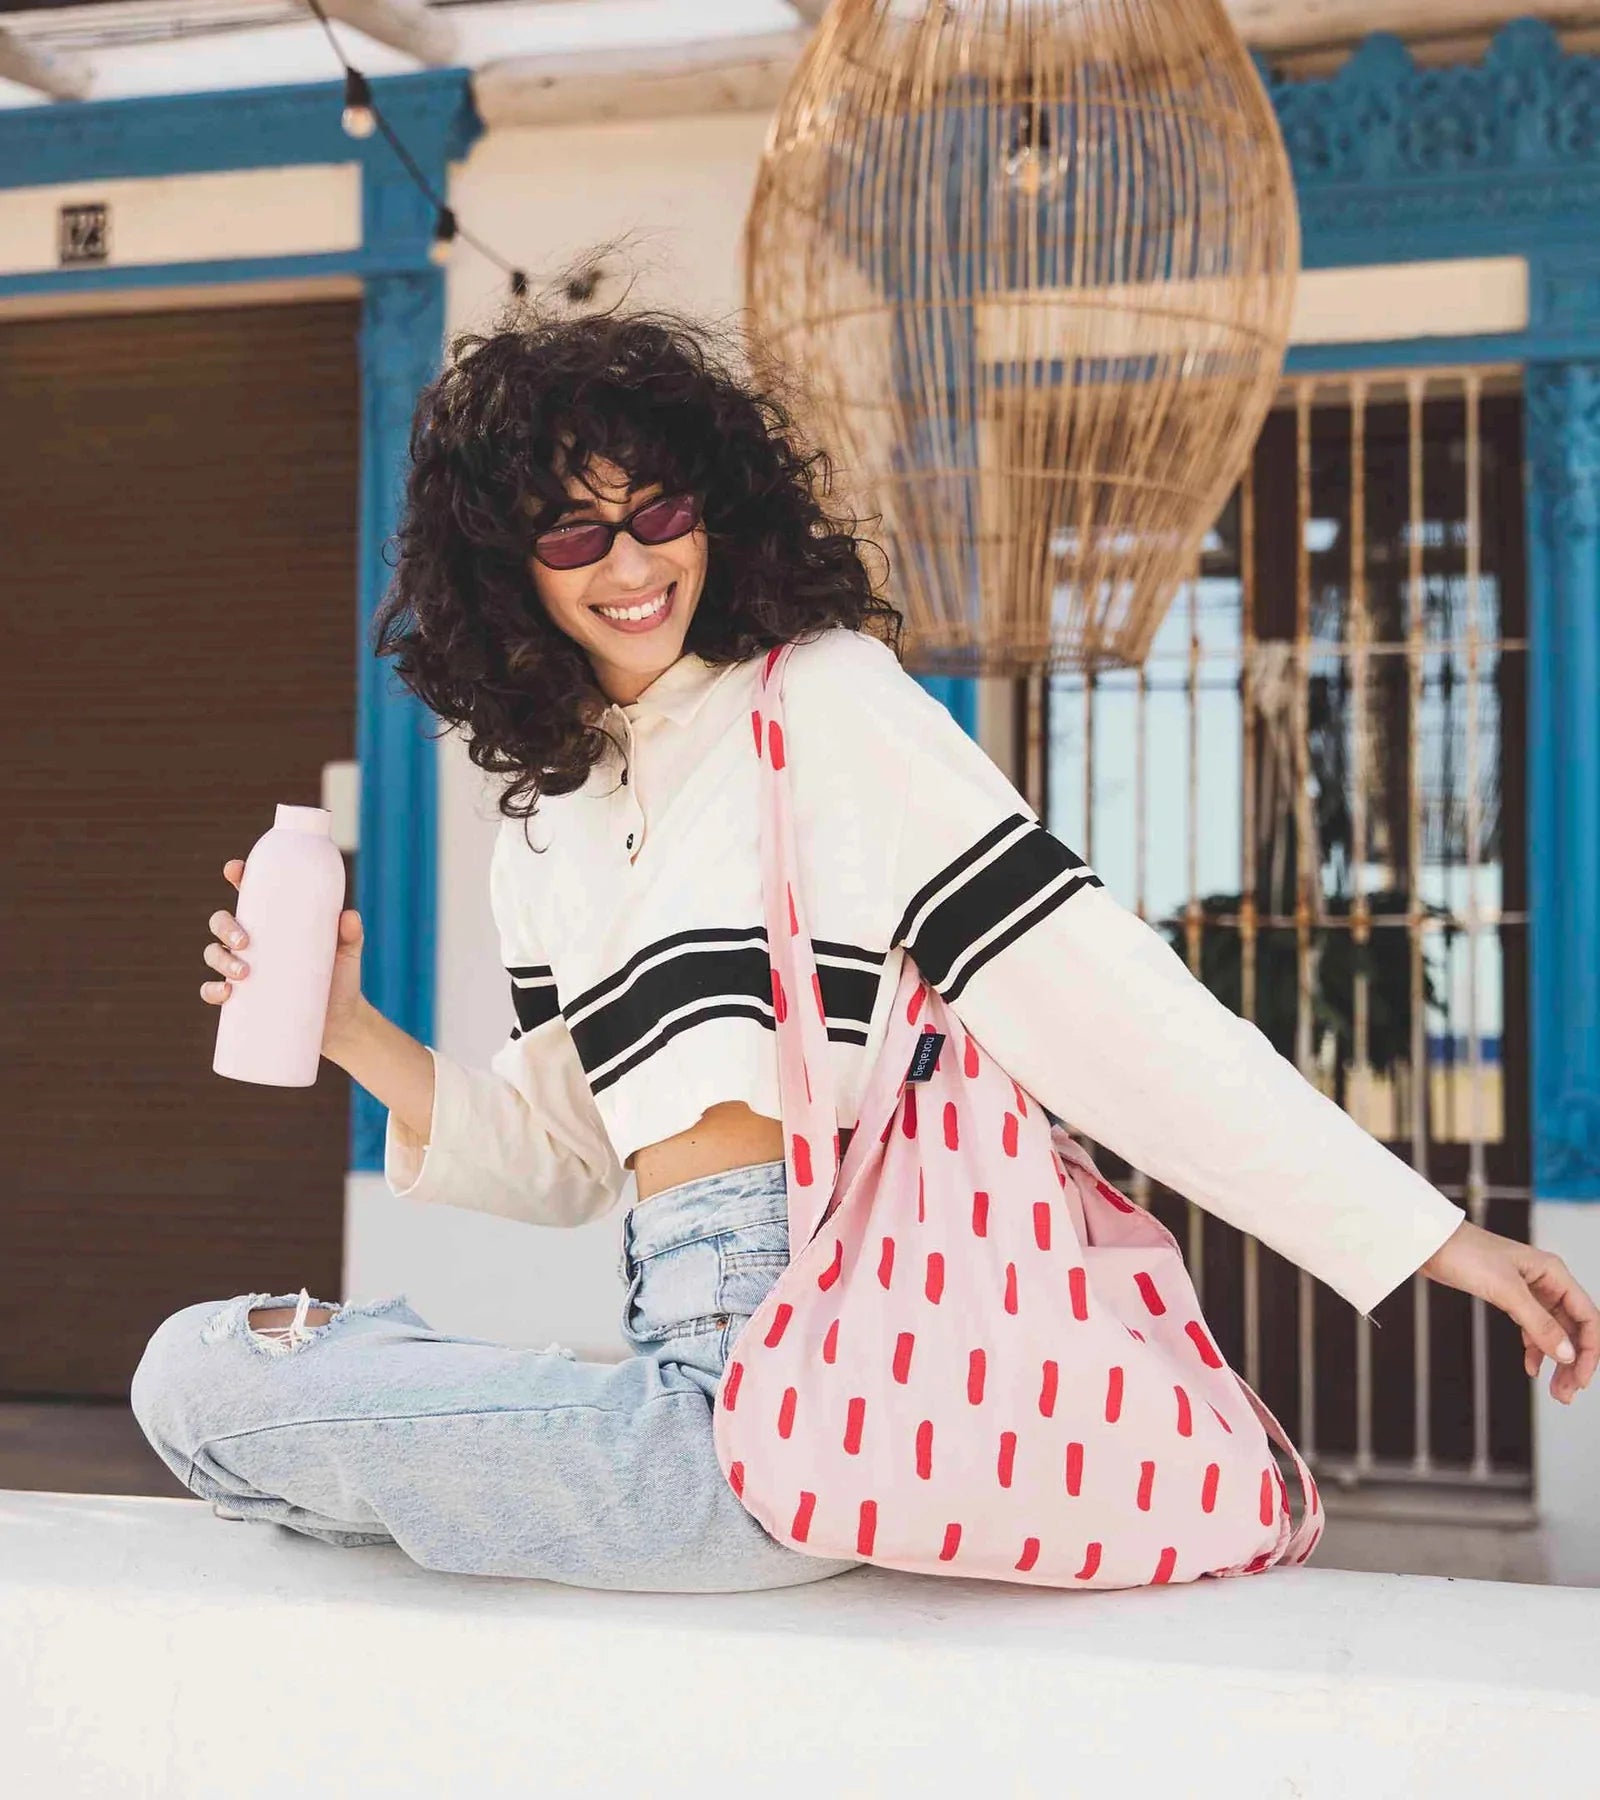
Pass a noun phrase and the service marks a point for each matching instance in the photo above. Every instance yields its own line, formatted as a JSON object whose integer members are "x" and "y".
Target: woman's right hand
{"x": 344, "y": 992}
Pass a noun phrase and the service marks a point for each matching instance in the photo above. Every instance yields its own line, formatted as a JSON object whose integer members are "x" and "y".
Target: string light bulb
{"x": 357, "y": 118}
{"x": 444, "y": 236}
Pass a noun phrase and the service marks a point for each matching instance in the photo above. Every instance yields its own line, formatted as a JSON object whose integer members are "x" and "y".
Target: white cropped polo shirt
{"x": 635, "y": 947}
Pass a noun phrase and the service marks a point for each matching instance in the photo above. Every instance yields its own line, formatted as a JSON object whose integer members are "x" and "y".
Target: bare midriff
{"x": 725, "y": 1136}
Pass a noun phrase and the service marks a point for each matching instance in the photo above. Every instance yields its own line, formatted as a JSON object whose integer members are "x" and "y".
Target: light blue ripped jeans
{"x": 482, "y": 1459}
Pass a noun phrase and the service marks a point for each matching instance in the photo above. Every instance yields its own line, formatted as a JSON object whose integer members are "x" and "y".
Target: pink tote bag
{"x": 981, "y": 1359}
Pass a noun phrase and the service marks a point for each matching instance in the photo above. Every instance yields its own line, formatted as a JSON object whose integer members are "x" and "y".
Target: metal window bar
{"x": 1366, "y": 658}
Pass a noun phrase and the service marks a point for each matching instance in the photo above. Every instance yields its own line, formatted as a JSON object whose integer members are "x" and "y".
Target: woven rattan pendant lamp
{"x": 1032, "y": 263}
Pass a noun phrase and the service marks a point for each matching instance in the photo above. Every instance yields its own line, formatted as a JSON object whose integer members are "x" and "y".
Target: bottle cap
{"x": 304, "y": 818}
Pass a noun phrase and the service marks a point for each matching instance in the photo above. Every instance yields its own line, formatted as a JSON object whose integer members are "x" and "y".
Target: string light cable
{"x": 359, "y": 118}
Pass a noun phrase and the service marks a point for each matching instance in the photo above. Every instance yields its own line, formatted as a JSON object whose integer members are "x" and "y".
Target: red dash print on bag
{"x": 935, "y": 1282}
{"x": 831, "y": 1274}
{"x": 952, "y": 1542}
{"x": 805, "y": 1069}
{"x": 925, "y": 1449}
{"x": 1197, "y": 1336}
{"x": 771, "y": 663}
{"x": 969, "y": 1058}
{"x": 1041, "y": 1223}
{"x": 1267, "y": 1514}
{"x": 977, "y": 1368}
{"x": 775, "y": 742}
{"x": 1091, "y": 1563}
{"x": 867, "y": 1529}
{"x": 1047, "y": 1389}
{"x": 1011, "y": 1288}
{"x": 1008, "y": 1457}
{"x": 780, "y": 1001}
{"x": 794, "y": 923}
{"x": 755, "y": 726}
{"x": 800, "y": 1530}
{"x": 1221, "y": 1421}
{"x": 980, "y": 1214}
{"x": 736, "y": 1477}
{"x": 922, "y": 1206}
{"x": 1008, "y": 1134}
{"x": 886, "y": 1262}
{"x": 1257, "y": 1563}
{"x": 730, "y": 1394}
{"x": 908, "y": 1116}
{"x": 1078, "y": 1288}
{"x": 1135, "y": 1334}
{"x": 1030, "y": 1553}
{"x": 1022, "y": 1104}
{"x": 1164, "y": 1568}
{"x": 830, "y": 1344}
{"x": 780, "y": 1324}
{"x": 1311, "y": 1488}
{"x": 1107, "y": 1192}
{"x": 902, "y": 1356}
{"x": 1147, "y": 1292}
{"x": 853, "y": 1423}
{"x": 1074, "y": 1469}
{"x": 883, "y": 1136}
{"x": 1185, "y": 1419}
{"x": 952, "y": 1131}
{"x": 786, "y": 1412}
{"x": 802, "y": 1160}
{"x": 1147, "y": 1476}
{"x": 822, "y": 1011}
{"x": 1114, "y": 1395}
{"x": 1208, "y": 1488}
{"x": 915, "y": 1003}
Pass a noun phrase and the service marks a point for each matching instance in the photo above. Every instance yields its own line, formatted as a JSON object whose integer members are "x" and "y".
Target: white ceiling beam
{"x": 48, "y": 72}
{"x": 738, "y": 74}
{"x": 1303, "y": 24}
{"x": 405, "y": 25}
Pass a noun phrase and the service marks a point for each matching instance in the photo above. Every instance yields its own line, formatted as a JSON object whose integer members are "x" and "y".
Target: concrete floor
{"x": 98, "y": 1448}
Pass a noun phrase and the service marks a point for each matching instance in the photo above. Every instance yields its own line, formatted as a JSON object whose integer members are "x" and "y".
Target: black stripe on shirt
{"x": 687, "y": 979}
{"x": 964, "y": 904}
{"x": 533, "y": 994}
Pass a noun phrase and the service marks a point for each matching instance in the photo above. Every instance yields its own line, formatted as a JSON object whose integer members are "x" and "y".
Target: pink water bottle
{"x": 290, "y": 897}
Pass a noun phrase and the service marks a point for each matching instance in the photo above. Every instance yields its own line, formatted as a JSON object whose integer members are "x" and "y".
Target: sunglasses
{"x": 586, "y": 541}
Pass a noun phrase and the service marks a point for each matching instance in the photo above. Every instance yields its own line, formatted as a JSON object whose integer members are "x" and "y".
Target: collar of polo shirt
{"x": 679, "y": 691}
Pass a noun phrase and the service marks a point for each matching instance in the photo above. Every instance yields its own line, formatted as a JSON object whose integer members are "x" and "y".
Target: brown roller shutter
{"x": 178, "y": 562}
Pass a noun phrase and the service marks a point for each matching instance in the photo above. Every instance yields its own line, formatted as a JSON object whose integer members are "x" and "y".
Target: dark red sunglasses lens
{"x": 666, "y": 518}
{"x": 573, "y": 545}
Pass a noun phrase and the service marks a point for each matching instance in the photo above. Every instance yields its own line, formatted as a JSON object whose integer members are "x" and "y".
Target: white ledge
{"x": 147, "y": 1647}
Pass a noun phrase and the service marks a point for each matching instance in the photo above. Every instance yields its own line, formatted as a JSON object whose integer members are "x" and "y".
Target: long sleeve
{"x": 523, "y": 1137}
{"x": 1094, "y": 1013}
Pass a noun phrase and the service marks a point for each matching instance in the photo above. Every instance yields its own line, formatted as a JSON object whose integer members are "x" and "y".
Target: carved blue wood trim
{"x": 401, "y": 342}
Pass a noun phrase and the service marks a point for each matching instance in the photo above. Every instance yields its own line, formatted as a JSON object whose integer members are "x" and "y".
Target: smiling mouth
{"x": 641, "y": 612}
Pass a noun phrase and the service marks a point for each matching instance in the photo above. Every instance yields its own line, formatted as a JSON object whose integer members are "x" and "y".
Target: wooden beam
{"x": 406, "y": 25}
{"x": 48, "y": 72}
{"x": 741, "y": 74}
{"x": 1302, "y": 24}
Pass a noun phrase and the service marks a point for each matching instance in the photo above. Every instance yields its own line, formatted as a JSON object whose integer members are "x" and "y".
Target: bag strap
{"x": 1303, "y": 1539}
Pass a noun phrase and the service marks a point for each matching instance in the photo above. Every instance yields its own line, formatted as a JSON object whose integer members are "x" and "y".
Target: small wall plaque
{"x": 85, "y": 234}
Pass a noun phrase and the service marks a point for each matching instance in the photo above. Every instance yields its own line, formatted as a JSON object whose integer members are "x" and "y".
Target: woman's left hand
{"x": 1533, "y": 1287}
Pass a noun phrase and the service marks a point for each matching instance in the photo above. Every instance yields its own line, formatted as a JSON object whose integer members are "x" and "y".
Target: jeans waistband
{"x": 710, "y": 1203}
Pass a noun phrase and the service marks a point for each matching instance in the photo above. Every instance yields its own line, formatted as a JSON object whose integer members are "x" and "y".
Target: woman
{"x": 604, "y": 530}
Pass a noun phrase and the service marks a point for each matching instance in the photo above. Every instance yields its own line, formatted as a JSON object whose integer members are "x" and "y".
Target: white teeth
{"x": 635, "y": 612}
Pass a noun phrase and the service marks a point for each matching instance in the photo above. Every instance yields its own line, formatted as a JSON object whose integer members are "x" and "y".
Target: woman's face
{"x": 627, "y": 655}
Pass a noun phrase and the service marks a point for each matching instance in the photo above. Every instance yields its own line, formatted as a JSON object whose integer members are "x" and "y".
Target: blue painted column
{"x": 397, "y": 866}
{"x": 402, "y": 341}
{"x": 1562, "y": 424}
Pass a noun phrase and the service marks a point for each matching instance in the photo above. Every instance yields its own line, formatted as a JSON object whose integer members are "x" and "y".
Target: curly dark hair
{"x": 519, "y": 408}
